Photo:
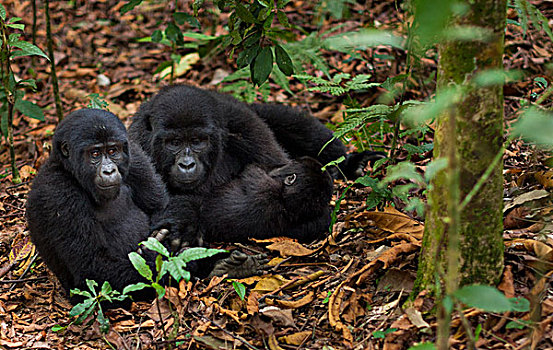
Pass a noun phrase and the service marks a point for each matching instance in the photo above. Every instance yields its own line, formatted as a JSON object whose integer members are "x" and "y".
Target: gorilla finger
{"x": 161, "y": 234}
{"x": 176, "y": 244}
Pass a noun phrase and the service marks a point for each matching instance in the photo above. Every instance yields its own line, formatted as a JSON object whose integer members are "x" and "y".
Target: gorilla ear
{"x": 64, "y": 149}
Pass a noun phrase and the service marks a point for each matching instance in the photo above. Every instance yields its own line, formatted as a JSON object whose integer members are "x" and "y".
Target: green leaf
{"x": 447, "y": 303}
{"x": 244, "y": 14}
{"x": 134, "y": 287}
{"x": 129, "y": 6}
{"x": 155, "y": 245}
{"x": 535, "y": 125}
{"x": 27, "y": 82}
{"x": 262, "y": 66}
{"x": 83, "y": 293}
{"x": 27, "y": 49}
{"x": 81, "y": 307}
{"x": 434, "y": 167}
{"x": 198, "y": 253}
{"x": 106, "y": 288}
{"x": 382, "y": 334}
{"x": 520, "y": 304}
{"x": 174, "y": 34}
{"x": 283, "y": 19}
{"x": 403, "y": 170}
{"x": 160, "y": 290}
{"x": 283, "y": 61}
{"x": 140, "y": 265}
{"x": 92, "y": 286}
{"x": 483, "y": 297}
{"x": 18, "y": 26}
{"x": 240, "y": 289}
{"x": 333, "y": 162}
{"x": 176, "y": 266}
{"x": 57, "y": 327}
{"x": 518, "y": 324}
{"x": 183, "y": 17}
{"x": 362, "y": 40}
{"x": 102, "y": 321}
{"x": 157, "y": 36}
{"x": 29, "y": 109}
{"x": 246, "y": 57}
{"x": 2, "y": 12}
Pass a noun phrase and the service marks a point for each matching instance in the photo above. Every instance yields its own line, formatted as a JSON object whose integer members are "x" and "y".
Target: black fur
{"x": 288, "y": 201}
{"x": 80, "y": 232}
{"x": 303, "y": 135}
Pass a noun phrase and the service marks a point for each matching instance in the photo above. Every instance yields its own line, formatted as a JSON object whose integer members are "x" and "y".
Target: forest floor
{"x": 348, "y": 290}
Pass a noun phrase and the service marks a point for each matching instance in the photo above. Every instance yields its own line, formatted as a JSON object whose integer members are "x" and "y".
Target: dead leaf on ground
{"x": 290, "y": 248}
{"x": 391, "y": 220}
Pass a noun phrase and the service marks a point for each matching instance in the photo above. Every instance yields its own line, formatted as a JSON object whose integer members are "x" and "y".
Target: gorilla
{"x": 290, "y": 200}
{"x": 95, "y": 199}
{"x": 201, "y": 140}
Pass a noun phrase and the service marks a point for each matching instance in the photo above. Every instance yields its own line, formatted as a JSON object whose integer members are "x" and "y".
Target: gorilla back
{"x": 92, "y": 201}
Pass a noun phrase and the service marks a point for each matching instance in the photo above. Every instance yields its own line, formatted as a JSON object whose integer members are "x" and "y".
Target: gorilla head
{"x": 92, "y": 146}
{"x": 184, "y": 135}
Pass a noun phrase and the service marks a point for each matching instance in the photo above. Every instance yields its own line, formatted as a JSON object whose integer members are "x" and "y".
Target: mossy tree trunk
{"x": 474, "y": 138}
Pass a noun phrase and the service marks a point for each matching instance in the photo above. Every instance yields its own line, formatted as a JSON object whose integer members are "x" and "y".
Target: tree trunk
{"x": 475, "y": 140}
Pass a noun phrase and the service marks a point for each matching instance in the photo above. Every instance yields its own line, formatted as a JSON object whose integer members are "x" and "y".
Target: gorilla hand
{"x": 240, "y": 265}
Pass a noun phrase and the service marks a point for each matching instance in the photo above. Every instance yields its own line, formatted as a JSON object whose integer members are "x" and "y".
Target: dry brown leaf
{"x": 540, "y": 249}
{"x": 26, "y": 172}
{"x": 393, "y": 221}
{"x": 273, "y": 343}
{"x": 269, "y": 283}
{"x": 287, "y": 304}
{"x": 275, "y": 261}
{"x": 252, "y": 305}
{"x": 334, "y": 306}
{"x": 295, "y": 338}
{"x": 290, "y": 248}
{"x": 279, "y": 316}
{"x": 21, "y": 254}
{"x": 507, "y": 286}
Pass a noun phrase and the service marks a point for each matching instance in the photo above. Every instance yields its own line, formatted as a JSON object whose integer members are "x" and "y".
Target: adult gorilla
{"x": 201, "y": 140}
{"x": 95, "y": 199}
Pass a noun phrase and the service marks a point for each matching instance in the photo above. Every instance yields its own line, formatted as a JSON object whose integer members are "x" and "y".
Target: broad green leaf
{"x": 535, "y": 125}
{"x": 403, "y": 170}
{"x": 81, "y": 307}
{"x": 246, "y": 56}
{"x": 86, "y": 313}
{"x": 183, "y": 17}
{"x": 483, "y": 297}
{"x": 518, "y": 324}
{"x": 29, "y": 109}
{"x": 497, "y": 77}
{"x": 134, "y": 287}
{"x": 140, "y": 265}
{"x": 2, "y": 12}
{"x": 129, "y": 6}
{"x": 240, "y": 289}
{"x": 431, "y": 18}
{"x": 362, "y": 40}
{"x": 18, "y": 26}
{"x": 520, "y": 304}
{"x": 262, "y": 66}
{"x": 157, "y": 36}
{"x": 174, "y": 34}
{"x": 102, "y": 321}
{"x": 244, "y": 14}
{"x": 27, "y": 82}
{"x": 27, "y": 49}
{"x": 155, "y": 245}
{"x": 334, "y": 162}
{"x": 198, "y": 253}
{"x": 106, "y": 288}
{"x": 176, "y": 266}
{"x": 160, "y": 290}
{"x": 283, "y": 61}
{"x": 283, "y": 19}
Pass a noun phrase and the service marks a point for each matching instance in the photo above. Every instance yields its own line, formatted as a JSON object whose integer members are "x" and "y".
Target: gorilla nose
{"x": 187, "y": 165}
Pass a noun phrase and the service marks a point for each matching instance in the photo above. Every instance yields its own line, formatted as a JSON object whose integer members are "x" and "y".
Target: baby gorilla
{"x": 263, "y": 204}
{"x": 95, "y": 199}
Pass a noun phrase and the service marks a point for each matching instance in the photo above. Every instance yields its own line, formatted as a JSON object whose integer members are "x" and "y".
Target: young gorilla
{"x": 289, "y": 200}
{"x": 95, "y": 199}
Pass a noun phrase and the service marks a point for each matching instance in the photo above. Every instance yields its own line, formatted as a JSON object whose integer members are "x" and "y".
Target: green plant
{"x": 12, "y": 93}
{"x": 95, "y": 101}
{"x": 92, "y": 305}
{"x": 240, "y": 289}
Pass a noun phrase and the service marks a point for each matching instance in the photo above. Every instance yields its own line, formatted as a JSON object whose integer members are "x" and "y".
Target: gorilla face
{"x": 93, "y": 147}
{"x": 303, "y": 183}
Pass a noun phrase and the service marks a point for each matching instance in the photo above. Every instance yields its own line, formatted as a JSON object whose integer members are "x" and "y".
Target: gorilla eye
{"x": 174, "y": 142}
{"x": 112, "y": 151}
{"x": 94, "y": 153}
{"x": 290, "y": 179}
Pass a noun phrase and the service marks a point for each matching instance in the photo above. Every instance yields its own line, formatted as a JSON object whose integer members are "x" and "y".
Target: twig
{"x": 24, "y": 280}
{"x": 50, "y": 45}
{"x": 235, "y": 336}
{"x": 26, "y": 270}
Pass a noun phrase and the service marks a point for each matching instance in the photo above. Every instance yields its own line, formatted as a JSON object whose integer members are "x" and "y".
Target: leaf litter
{"x": 348, "y": 290}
